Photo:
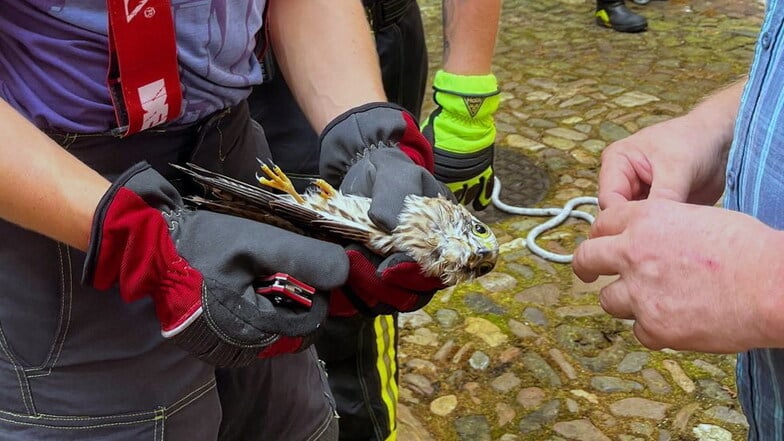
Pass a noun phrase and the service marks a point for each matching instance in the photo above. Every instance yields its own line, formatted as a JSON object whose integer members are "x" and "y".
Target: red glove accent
{"x": 147, "y": 255}
{"x": 396, "y": 284}
{"x": 414, "y": 144}
{"x": 340, "y": 305}
{"x": 410, "y": 275}
{"x": 283, "y": 345}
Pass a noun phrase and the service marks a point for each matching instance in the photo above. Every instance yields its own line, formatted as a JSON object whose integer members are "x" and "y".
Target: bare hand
{"x": 692, "y": 277}
{"x": 672, "y": 160}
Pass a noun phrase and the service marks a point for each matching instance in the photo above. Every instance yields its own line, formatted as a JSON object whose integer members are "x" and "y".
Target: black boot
{"x": 615, "y": 14}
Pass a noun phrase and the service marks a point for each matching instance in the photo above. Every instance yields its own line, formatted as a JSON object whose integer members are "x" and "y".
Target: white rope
{"x": 560, "y": 215}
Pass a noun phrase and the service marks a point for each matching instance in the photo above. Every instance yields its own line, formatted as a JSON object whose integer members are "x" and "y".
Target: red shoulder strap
{"x": 143, "y": 78}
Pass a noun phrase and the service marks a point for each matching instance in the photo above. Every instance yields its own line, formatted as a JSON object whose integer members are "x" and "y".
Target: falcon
{"x": 443, "y": 237}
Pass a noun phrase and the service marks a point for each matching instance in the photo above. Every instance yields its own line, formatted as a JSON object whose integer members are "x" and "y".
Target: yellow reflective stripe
{"x": 386, "y": 365}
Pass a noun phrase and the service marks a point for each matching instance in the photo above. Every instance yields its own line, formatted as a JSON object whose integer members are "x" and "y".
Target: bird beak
{"x": 484, "y": 252}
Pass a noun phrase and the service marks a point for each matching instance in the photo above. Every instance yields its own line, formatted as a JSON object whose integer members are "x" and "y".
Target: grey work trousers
{"x": 79, "y": 364}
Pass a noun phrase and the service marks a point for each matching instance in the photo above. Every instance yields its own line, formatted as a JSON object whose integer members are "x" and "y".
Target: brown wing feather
{"x": 240, "y": 199}
{"x": 331, "y": 224}
{"x": 240, "y": 209}
{"x": 344, "y": 230}
{"x": 220, "y": 186}
{"x": 295, "y": 212}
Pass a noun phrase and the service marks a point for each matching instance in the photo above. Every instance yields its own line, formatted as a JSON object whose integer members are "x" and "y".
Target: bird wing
{"x": 323, "y": 220}
{"x": 226, "y": 188}
{"x": 239, "y": 208}
{"x": 231, "y": 196}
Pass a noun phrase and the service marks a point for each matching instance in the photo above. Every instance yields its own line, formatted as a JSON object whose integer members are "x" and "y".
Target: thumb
{"x": 670, "y": 189}
{"x": 668, "y": 181}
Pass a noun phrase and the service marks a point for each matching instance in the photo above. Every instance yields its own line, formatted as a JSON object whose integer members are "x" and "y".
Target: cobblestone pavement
{"x": 526, "y": 353}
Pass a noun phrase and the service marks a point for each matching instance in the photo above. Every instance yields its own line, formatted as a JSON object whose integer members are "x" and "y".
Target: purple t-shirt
{"x": 54, "y": 59}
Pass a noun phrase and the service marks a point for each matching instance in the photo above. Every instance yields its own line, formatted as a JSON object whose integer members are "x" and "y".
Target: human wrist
{"x": 716, "y": 116}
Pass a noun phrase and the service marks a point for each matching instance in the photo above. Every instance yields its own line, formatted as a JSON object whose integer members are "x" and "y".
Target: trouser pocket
{"x": 36, "y": 322}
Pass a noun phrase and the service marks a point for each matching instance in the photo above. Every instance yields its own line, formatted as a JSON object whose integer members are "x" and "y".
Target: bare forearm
{"x": 718, "y": 112}
{"x": 42, "y": 187}
{"x": 326, "y": 52}
{"x": 470, "y": 28}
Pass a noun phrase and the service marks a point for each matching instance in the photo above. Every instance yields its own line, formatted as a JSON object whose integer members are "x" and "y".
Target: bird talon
{"x": 326, "y": 190}
{"x": 277, "y": 179}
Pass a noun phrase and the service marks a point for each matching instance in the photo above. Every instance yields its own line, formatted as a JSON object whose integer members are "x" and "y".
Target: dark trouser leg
{"x": 403, "y": 57}
{"x": 283, "y": 398}
{"x": 361, "y": 357}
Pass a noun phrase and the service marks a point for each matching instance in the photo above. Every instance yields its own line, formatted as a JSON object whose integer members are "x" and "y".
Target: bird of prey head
{"x": 443, "y": 237}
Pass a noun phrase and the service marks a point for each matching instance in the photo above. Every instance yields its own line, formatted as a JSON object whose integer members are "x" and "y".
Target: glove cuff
{"x": 130, "y": 243}
{"x": 201, "y": 340}
{"x": 455, "y": 166}
{"x": 99, "y": 218}
{"x": 468, "y": 96}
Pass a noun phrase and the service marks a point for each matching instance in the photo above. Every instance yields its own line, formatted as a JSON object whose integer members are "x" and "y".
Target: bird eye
{"x": 481, "y": 230}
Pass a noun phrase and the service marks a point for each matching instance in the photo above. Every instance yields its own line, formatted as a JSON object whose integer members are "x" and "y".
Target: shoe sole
{"x": 627, "y": 29}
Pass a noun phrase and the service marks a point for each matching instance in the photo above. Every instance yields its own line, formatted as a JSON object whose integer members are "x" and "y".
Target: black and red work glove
{"x": 199, "y": 269}
{"x": 377, "y": 151}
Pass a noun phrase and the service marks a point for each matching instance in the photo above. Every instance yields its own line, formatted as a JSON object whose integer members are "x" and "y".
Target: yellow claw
{"x": 278, "y": 180}
{"x": 326, "y": 191}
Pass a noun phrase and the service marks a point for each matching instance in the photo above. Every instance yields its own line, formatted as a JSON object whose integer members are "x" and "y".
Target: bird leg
{"x": 278, "y": 180}
{"x": 325, "y": 190}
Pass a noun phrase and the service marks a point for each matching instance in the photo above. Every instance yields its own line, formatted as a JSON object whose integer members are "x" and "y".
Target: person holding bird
{"x": 358, "y": 345}
{"x": 139, "y": 304}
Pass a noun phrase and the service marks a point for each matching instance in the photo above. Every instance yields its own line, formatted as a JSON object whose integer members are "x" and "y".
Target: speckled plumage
{"x": 444, "y": 238}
